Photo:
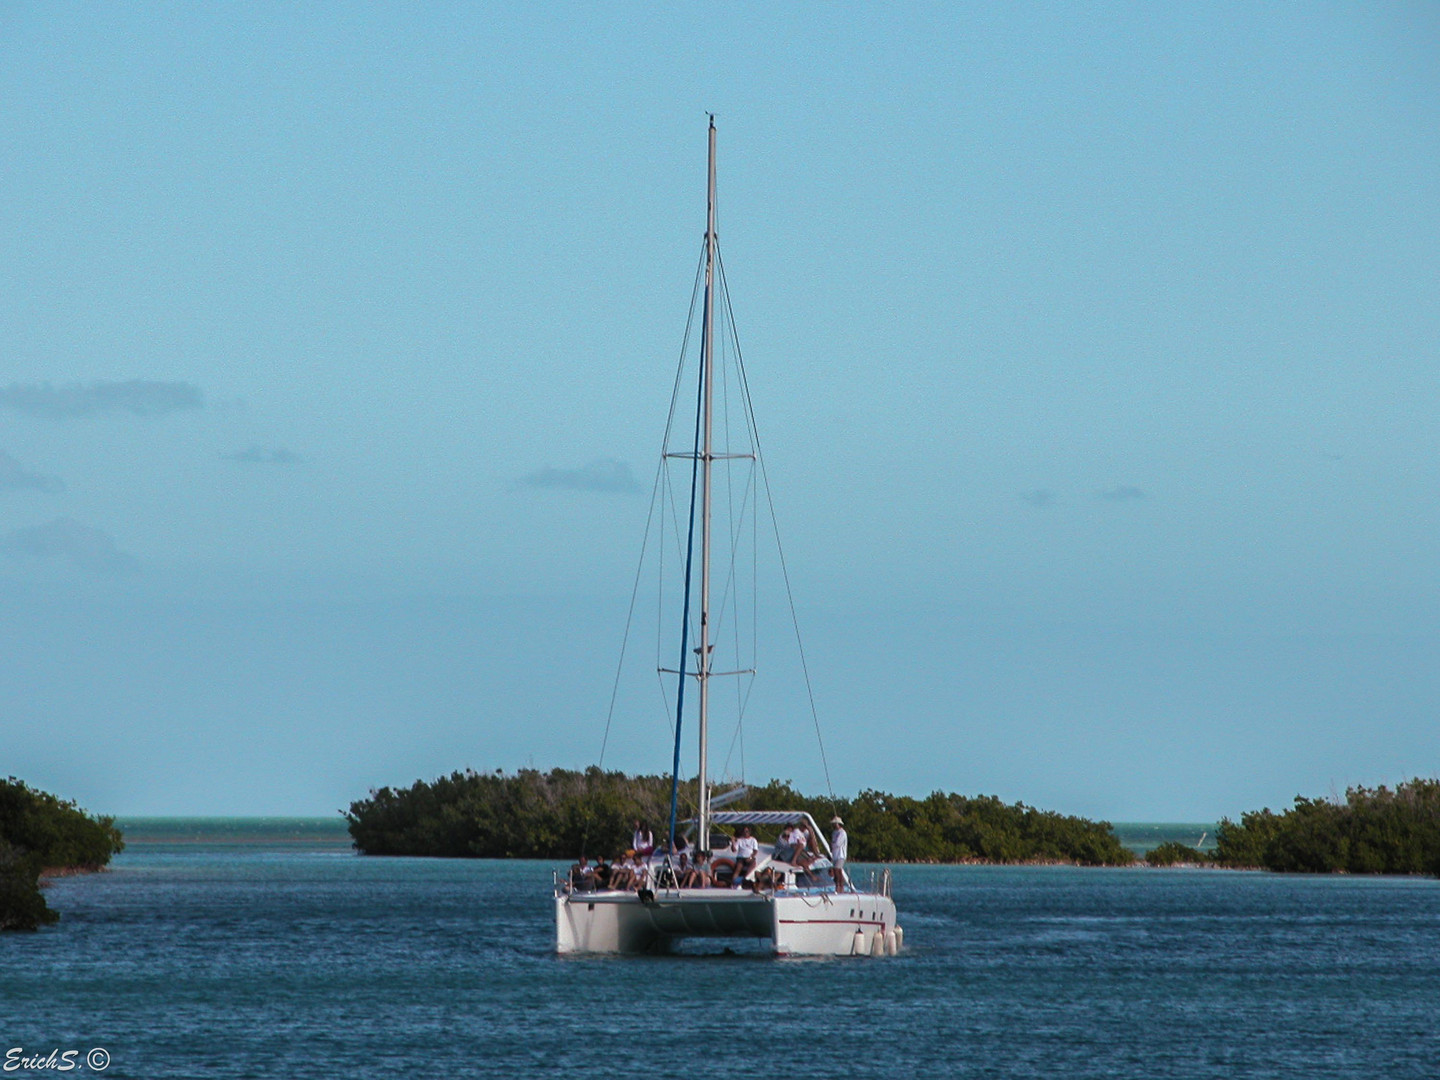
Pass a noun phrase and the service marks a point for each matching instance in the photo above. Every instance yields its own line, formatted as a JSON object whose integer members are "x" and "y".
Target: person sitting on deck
{"x": 602, "y": 876}
{"x": 644, "y": 841}
{"x": 746, "y": 849}
{"x": 698, "y": 876}
{"x": 640, "y": 872}
{"x": 812, "y": 849}
{"x": 808, "y": 853}
{"x": 771, "y": 879}
{"x": 677, "y": 866}
{"x": 794, "y": 847}
{"x": 622, "y": 876}
{"x": 582, "y": 876}
{"x": 785, "y": 845}
{"x": 681, "y": 855}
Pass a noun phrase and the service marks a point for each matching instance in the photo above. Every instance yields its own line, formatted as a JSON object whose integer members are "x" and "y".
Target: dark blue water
{"x": 305, "y": 961}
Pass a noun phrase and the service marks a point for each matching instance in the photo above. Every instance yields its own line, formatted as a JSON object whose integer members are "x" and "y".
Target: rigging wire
{"x": 736, "y": 523}
{"x": 757, "y": 477}
{"x": 731, "y": 596}
{"x": 659, "y": 472}
{"x": 774, "y": 520}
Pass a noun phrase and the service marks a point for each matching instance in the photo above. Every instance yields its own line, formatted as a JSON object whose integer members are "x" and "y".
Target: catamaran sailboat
{"x": 795, "y": 898}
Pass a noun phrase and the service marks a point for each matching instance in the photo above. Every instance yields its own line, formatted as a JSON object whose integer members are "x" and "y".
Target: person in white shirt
{"x": 582, "y": 876}
{"x": 746, "y": 849}
{"x": 640, "y": 868}
{"x": 644, "y": 839}
{"x": 787, "y": 845}
{"x": 839, "y": 851}
{"x": 804, "y": 848}
{"x": 622, "y": 874}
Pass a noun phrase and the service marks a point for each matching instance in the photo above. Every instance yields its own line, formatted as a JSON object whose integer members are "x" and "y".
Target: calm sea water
{"x": 292, "y": 957}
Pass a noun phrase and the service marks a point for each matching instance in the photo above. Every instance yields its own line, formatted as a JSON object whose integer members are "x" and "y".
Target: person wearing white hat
{"x": 839, "y": 850}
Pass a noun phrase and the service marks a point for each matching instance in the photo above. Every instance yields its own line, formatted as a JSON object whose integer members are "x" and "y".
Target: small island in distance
{"x": 535, "y": 815}
{"x": 556, "y": 815}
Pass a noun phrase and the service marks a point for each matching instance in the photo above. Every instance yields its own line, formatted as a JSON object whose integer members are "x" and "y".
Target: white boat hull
{"x": 813, "y": 924}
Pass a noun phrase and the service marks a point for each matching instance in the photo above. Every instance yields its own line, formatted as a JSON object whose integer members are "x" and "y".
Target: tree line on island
{"x": 1372, "y": 831}
{"x": 562, "y": 813}
{"x": 531, "y": 814}
{"x": 43, "y": 835}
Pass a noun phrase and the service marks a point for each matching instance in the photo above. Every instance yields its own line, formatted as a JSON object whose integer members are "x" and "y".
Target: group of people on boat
{"x": 731, "y": 867}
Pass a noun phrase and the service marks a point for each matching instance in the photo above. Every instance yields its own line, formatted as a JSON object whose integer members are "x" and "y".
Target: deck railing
{"x": 880, "y": 881}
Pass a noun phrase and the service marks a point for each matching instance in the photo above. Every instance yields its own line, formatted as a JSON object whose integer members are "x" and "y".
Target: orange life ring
{"x": 719, "y": 862}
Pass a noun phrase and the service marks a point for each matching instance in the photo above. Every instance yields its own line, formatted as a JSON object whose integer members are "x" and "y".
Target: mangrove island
{"x": 536, "y": 815}
{"x": 41, "y": 834}
{"x": 558, "y": 814}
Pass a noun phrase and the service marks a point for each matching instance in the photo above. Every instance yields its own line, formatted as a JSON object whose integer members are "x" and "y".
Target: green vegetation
{"x": 40, "y": 833}
{"x": 530, "y": 814}
{"x": 1171, "y": 852}
{"x": 1373, "y": 831}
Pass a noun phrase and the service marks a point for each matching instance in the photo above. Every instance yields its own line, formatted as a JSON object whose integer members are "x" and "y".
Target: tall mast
{"x": 707, "y": 373}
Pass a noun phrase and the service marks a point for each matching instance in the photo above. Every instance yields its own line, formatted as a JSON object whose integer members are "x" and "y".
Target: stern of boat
{"x": 833, "y": 924}
{"x": 797, "y": 923}
{"x": 600, "y": 923}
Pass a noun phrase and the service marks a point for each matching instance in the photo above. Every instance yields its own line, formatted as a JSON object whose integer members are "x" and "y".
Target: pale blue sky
{"x": 1094, "y": 349}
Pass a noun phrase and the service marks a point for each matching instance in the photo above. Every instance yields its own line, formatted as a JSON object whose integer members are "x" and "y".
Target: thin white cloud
{"x": 65, "y": 539}
{"x": 255, "y": 454}
{"x": 605, "y": 474}
{"x": 139, "y": 397}
{"x": 1123, "y": 493}
{"x": 15, "y": 477}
